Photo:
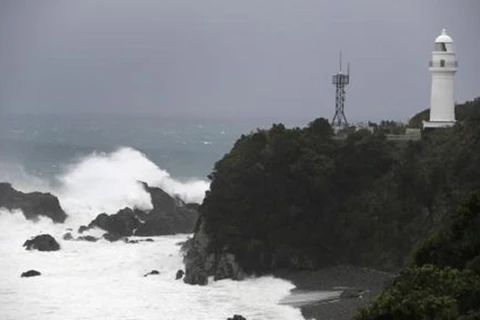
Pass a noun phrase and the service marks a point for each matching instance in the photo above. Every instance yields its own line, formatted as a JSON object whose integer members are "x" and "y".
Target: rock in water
{"x": 159, "y": 227}
{"x": 237, "y": 317}
{"x": 228, "y": 268}
{"x": 82, "y": 229}
{"x": 179, "y": 275}
{"x": 201, "y": 263}
{"x": 151, "y": 273}
{"x": 44, "y": 242}
{"x": 169, "y": 215}
{"x": 67, "y": 236}
{"x": 111, "y": 237}
{"x": 32, "y": 204}
{"x": 87, "y": 238}
{"x": 30, "y": 273}
{"x": 123, "y": 223}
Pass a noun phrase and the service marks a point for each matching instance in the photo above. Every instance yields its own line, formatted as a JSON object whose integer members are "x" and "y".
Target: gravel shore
{"x": 334, "y": 280}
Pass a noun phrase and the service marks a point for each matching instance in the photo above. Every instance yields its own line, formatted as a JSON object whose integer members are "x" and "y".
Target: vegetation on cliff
{"x": 443, "y": 280}
{"x": 298, "y": 198}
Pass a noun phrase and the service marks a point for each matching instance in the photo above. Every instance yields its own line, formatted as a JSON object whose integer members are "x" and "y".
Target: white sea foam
{"x": 106, "y": 182}
{"x": 105, "y": 280}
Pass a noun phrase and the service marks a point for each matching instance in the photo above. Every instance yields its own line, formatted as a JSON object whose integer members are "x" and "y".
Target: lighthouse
{"x": 443, "y": 66}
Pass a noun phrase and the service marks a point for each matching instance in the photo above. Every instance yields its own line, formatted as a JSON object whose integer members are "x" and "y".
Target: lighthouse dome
{"x": 443, "y": 38}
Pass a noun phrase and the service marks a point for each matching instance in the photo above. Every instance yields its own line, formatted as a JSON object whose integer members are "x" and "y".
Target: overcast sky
{"x": 229, "y": 59}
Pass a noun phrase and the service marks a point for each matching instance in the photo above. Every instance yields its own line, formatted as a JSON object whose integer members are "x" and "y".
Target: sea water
{"x": 94, "y": 166}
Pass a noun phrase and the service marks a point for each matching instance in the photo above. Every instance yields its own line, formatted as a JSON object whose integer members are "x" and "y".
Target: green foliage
{"x": 444, "y": 279}
{"x": 388, "y": 127}
{"x": 281, "y": 189}
{"x": 299, "y": 198}
{"x": 427, "y": 292}
{"x": 456, "y": 244}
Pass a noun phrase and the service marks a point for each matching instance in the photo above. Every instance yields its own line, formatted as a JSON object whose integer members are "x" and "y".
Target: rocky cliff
{"x": 32, "y": 204}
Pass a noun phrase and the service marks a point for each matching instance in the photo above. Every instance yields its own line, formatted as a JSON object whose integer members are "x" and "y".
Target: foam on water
{"x": 105, "y": 280}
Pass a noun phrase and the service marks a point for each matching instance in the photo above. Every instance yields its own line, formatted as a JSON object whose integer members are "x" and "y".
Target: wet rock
{"x": 44, "y": 242}
{"x": 149, "y": 240}
{"x": 111, "y": 237}
{"x": 87, "y": 238}
{"x": 67, "y": 236}
{"x": 171, "y": 214}
{"x": 30, "y": 273}
{"x": 32, "y": 204}
{"x": 158, "y": 227}
{"x": 228, "y": 268}
{"x": 197, "y": 277}
{"x": 198, "y": 261}
{"x": 179, "y": 275}
{"x": 151, "y": 273}
{"x": 123, "y": 223}
{"x": 82, "y": 229}
{"x": 237, "y": 317}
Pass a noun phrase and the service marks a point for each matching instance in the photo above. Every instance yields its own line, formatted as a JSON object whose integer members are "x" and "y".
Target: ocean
{"x": 93, "y": 163}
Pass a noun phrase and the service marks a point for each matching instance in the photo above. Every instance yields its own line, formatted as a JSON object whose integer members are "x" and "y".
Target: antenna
{"x": 340, "y": 80}
{"x": 340, "y": 60}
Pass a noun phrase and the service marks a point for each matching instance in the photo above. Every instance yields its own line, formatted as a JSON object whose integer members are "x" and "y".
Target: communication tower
{"x": 340, "y": 80}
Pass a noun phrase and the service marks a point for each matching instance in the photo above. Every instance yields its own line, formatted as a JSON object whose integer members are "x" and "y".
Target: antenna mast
{"x": 340, "y": 80}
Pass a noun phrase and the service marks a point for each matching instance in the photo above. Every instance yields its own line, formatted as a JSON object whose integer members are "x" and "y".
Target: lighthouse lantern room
{"x": 443, "y": 66}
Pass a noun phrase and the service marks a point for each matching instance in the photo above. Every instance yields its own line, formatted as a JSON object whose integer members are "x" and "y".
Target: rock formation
{"x": 169, "y": 216}
{"x": 44, "y": 242}
{"x": 200, "y": 263}
{"x": 179, "y": 274}
{"x": 32, "y": 204}
{"x": 30, "y": 273}
{"x": 152, "y": 273}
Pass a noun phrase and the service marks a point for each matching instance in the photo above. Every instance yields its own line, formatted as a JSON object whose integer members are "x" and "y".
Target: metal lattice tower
{"x": 340, "y": 80}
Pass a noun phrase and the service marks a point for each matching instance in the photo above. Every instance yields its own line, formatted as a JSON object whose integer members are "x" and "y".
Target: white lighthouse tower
{"x": 443, "y": 66}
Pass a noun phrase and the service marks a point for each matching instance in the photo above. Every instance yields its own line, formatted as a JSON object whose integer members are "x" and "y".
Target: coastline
{"x": 324, "y": 286}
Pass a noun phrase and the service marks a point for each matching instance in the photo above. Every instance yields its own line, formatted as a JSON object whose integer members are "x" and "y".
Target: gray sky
{"x": 229, "y": 59}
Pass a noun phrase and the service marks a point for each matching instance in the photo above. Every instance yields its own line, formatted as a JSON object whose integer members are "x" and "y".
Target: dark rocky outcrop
{"x": 111, "y": 237}
{"x": 179, "y": 274}
{"x": 169, "y": 215}
{"x": 123, "y": 223}
{"x": 82, "y": 229}
{"x": 32, "y": 204}
{"x": 68, "y": 236}
{"x": 157, "y": 227}
{"x": 44, "y": 242}
{"x": 152, "y": 273}
{"x": 227, "y": 268}
{"x": 87, "y": 238}
{"x": 237, "y": 317}
{"x": 30, "y": 273}
{"x": 200, "y": 263}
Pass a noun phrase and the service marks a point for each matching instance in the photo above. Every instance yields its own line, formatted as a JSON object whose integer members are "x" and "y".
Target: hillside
{"x": 298, "y": 199}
